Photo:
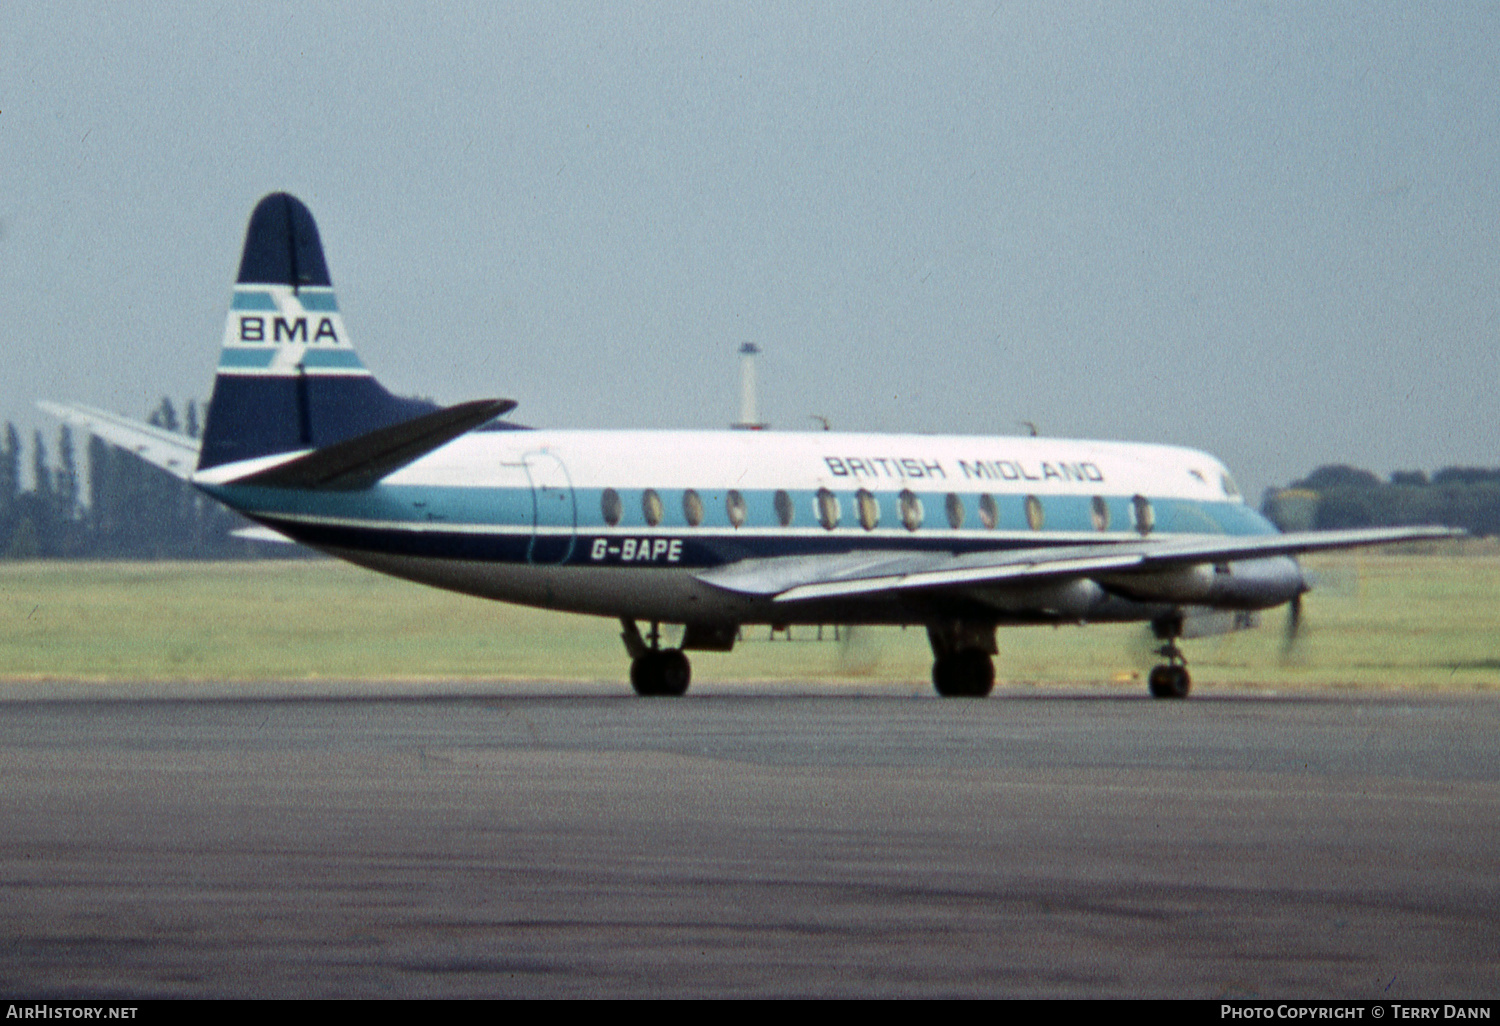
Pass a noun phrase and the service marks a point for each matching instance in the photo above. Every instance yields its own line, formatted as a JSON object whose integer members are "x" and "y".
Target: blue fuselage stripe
{"x": 498, "y": 524}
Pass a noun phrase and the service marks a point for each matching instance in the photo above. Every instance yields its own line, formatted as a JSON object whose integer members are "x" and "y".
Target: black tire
{"x": 968, "y": 673}
{"x": 1169, "y": 681}
{"x": 676, "y": 673}
{"x": 663, "y": 674}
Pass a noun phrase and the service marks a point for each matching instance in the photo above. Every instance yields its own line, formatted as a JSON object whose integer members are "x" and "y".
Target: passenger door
{"x": 555, "y": 511}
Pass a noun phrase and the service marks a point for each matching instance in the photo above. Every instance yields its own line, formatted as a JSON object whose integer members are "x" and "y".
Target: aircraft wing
{"x": 802, "y": 578}
{"x": 174, "y": 453}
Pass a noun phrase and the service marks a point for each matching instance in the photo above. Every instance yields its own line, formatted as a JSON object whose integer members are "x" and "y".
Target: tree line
{"x": 132, "y": 510}
{"x": 1338, "y": 496}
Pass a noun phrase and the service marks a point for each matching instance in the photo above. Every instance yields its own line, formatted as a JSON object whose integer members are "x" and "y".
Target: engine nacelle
{"x": 1244, "y": 584}
{"x": 1074, "y": 599}
{"x": 1179, "y": 585}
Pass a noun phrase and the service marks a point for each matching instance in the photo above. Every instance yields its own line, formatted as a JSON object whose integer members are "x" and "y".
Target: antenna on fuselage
{"x": 749, "y": 408}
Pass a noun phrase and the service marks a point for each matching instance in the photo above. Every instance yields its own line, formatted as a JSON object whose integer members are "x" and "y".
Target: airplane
{"x": 710, "y": 530}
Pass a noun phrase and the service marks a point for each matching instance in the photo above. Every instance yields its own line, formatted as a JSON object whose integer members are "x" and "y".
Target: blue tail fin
{"x": 289, "y": 378}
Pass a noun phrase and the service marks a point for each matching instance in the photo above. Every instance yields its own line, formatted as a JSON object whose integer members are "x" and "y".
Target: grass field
{"x": 1378, "y": 618}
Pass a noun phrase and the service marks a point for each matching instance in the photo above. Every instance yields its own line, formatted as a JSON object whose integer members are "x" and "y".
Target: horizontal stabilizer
{"x": 174, "y": 453}
{"x": 359, "y": 462}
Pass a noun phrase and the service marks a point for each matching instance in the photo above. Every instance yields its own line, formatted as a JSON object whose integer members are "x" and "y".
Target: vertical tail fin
{"x": 288, "y": 377}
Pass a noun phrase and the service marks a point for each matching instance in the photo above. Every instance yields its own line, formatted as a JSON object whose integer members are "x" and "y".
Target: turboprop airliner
{"x": 712, "y": 531}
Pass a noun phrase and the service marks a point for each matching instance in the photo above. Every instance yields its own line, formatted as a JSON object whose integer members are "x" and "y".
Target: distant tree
{"x": 69, "y": 537}
{"x": 10, "y": 484}
{"x": 165, "y": 415}
{"x": 103, "y": 511}
{"x": 41, "y": 474}
{"x": 1473, "y": 506}
{"x": 66, "y": 477}
{"x": 40, "y": 507}
{"x": 25, "y": 543}
{"x": 1335, "y": 476}
{"x": 10, "y": 468}
{"x": 1466, "y": 475}
{"x": 1338, "y": 496}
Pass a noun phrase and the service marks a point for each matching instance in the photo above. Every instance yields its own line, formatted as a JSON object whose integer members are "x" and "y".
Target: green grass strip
{"x": 1378, "y": 618}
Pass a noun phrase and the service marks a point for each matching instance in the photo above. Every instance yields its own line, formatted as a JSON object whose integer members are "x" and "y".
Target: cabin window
{"x": 828, "y": 508}
{"x": 786, "y": 510}
{"x": 954, "y": 507}
{"x": 868, "y": 508}
{"x": 734, "y": 506}
{"x": 651, "y": 507}
{"x": 989, "y": 511}
{"x": 692, "y": 508}
{"x": 1145, "y": 516}
{"x": 910, "y": 508}
{"x": 1099, "y": 513}
{"x": 610, "y": 507}
{"x": 1035, "y": 516}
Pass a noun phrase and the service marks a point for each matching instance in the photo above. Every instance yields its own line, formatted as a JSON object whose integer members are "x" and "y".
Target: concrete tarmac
{"x": 572, "y": 840}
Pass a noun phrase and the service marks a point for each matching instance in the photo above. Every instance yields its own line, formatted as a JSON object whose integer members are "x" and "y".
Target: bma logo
{"x": 283, "y": 329}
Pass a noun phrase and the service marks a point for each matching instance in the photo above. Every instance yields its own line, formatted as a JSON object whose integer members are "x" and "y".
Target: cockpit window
{"x": 1230, "y": 488}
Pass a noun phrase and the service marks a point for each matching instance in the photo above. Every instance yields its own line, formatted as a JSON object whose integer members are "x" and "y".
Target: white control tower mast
{"x": 749, "y": 408}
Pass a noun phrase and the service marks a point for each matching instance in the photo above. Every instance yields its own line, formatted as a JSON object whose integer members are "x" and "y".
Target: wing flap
{"x": 1031, "y": 569}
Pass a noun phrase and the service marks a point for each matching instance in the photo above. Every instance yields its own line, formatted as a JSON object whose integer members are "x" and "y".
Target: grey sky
{"x": 1266, "y": 230}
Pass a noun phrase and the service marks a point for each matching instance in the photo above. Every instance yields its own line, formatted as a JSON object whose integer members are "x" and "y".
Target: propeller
{"x": 1293, "y": 627}
{"x": 859, "y": 651}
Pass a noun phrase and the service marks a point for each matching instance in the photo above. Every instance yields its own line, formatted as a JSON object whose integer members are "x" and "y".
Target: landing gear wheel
{"x": 967, "y": 673}
{"x": 661, "y": 673}
{"x": 1170, "y": 680}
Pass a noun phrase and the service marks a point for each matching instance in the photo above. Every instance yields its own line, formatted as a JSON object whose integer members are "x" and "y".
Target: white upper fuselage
{"x": 811, "y": 460}
{"x": 847, "y": 486}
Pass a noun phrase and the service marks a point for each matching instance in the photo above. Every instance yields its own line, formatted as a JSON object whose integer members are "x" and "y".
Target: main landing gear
{"x": 961, "y": 663}
{"x": 1170, "y": 679}
{"x": 655, "y": 671}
